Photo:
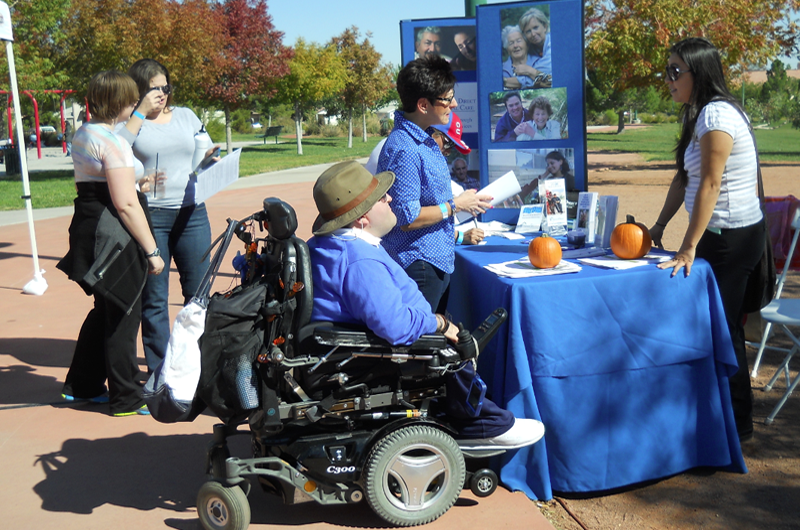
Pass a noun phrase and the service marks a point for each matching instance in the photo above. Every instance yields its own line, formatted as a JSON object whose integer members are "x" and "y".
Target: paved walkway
{"x": 74, "y": 467}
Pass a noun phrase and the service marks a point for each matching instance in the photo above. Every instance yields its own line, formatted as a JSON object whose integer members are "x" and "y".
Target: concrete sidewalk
{"x": 72, "y": 466}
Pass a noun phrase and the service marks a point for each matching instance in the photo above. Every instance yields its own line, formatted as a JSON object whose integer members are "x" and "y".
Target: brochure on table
{"x": 586, "y": 219}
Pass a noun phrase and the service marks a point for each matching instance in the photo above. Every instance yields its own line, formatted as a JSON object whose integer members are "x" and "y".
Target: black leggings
{"x": 733, "y": 255}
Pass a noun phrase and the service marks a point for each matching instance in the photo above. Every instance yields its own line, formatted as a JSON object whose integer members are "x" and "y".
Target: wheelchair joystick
{"x": 467, "y": 346}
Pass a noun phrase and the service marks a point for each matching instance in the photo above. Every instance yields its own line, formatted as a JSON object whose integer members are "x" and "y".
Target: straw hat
{"x": 345, "y": 192}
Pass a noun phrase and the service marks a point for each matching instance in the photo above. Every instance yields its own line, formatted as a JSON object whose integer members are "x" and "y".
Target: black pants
{"x": 106, "y": 348}
{"x": 733, "y": 255}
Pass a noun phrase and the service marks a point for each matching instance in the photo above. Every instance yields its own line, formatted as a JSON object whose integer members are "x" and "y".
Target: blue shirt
{"x": 422, "y": 178}
{"x": 356, "y": 281}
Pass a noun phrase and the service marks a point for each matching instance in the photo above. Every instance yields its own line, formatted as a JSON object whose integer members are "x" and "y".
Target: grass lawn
{"x": 56, "y": 188}
{"x": 50, "y": 189}
{"x": 257, "y": 159}
{"x": 656, "y": 142}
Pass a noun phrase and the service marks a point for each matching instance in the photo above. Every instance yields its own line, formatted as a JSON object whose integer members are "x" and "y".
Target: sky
{"x": 319, "y": 20}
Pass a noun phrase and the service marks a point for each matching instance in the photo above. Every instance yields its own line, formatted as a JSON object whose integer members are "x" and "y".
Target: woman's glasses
{"x": 674, "y": 72}
{"x": 166, "y": 89}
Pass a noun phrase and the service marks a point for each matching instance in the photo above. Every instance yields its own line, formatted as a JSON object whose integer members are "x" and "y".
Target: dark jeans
{"x": 492, "y": 420}
{"x": 433, "y": 283}
{"x": 733, "y": 255}
{"x": 106, "y": 347}
{"x": 182, "y": 235}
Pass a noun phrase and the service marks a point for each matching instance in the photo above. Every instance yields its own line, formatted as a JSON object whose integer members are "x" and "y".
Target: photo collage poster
{"x": 531, "y": 97}
{"x": 456, "y": 40}
{"x": 519, "y": 70}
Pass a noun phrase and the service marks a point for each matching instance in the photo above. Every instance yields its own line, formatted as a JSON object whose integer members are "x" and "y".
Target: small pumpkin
{"x": 630, "y": 240}
{"x": 544, "y": 252}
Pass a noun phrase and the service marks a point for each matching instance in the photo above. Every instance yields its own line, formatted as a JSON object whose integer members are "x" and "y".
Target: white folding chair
{"x": 781, "y": 313}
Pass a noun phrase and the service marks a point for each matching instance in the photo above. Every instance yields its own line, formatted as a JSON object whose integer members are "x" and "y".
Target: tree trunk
{"x": 350, "y": 128}
{"x": 364, "y": 123}
{"x": 621, "y": 121}
{"x": 298, "y": 128}
{"x": 228, "y": 139}
{"x": 269, "y": 118}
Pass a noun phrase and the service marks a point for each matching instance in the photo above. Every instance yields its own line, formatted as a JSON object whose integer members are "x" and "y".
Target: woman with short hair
{"x": 111, "y": 251}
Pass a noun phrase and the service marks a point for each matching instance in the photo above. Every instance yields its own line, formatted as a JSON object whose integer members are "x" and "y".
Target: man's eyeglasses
{"x": 385, "y": 198}
{"x": 446, "y": 101}
{"x": 166, "y": 89}
{"x": 448, "y": 144}
{"x": 674, "y": 72}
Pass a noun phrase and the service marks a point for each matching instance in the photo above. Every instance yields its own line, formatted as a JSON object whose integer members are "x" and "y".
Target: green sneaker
{"x": 141, "y": 411}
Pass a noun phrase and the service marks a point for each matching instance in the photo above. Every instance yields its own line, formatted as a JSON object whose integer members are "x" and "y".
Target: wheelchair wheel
{"x": 413, "y": 475}
{"x": 222, "y": 508}
{"x": 483, "y": 482}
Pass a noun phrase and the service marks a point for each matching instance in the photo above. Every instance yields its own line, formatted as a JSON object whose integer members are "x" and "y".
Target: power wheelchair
{"x": 335, "y": 413}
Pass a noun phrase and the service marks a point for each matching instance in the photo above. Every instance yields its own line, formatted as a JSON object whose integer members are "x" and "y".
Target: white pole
{"x": 38, "y": 285}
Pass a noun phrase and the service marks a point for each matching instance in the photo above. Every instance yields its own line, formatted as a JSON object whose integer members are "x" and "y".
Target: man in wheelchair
{"x": 356, "y": 281}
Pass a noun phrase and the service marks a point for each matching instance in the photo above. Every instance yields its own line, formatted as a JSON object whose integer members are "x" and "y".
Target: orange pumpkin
{"x": 544, "y": 252}
{"x": 631, "y": 240}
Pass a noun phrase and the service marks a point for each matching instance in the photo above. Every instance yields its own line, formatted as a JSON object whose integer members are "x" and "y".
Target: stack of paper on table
{"x": 613, "y": 262}
{"x": 522, "y": 268}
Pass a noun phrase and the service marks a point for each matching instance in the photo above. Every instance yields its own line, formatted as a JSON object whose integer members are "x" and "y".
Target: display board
{"x": 455, "y": 40}
{"x": 520, "y": 90}
{"x": 531, "y": 112}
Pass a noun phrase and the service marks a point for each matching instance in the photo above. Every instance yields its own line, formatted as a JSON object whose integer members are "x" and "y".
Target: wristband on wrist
{"x": 138, "y": 115}
{"x": 460, "y": 239}
{"x": 443, "y": 208}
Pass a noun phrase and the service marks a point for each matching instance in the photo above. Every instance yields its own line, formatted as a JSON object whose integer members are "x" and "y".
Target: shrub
{"x": 610, "y": 117}
{"x": 329, "y": 131}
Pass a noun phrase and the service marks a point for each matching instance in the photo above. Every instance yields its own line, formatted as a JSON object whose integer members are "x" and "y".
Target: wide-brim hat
{"x": 345, "y": 192}
{"x": 454, "y": 129}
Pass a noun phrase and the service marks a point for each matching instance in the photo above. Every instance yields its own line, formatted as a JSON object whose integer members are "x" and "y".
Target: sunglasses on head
{"x": 674, "y": 72}
{"x": 166, "y": 89}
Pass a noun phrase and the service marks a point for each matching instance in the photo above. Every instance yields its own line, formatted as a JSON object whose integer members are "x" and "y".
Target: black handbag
{"x": 761, "y": 284}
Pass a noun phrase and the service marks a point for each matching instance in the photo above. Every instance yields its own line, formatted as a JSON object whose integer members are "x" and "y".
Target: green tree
{"x": 627, "y": 41}
{"x": 316, "y": 72}
{"x": 367, "y": 79}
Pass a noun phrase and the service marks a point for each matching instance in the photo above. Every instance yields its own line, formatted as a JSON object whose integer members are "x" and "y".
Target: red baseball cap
{"x": 453, "y": 130}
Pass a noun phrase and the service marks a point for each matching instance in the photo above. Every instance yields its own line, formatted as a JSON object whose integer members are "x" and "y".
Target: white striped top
{"x": 737, "y": 205}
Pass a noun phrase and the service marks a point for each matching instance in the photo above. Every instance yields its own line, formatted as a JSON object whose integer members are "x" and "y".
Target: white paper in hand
{"x": 500, "y": 190}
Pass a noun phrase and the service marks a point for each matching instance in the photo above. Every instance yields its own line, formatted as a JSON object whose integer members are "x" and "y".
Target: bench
{"x": 271, "y": 131}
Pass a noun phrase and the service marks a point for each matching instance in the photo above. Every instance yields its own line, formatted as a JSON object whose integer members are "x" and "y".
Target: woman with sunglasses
{"x": 162, "y": 136}
{"x": 716, "y": 182}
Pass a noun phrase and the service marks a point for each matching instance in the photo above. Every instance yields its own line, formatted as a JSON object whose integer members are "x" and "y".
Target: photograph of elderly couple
{"x": 525, "y": 36}
{"x": 457, "y": 44}
{"x": 525, "y": 115}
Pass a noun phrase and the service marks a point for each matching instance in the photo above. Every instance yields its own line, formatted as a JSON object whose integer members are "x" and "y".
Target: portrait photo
{"x": 526, "y": 53}
{"x": 529, "y": 115}
{"x": 457, "y": 44}
{"x": 531, "y": 167}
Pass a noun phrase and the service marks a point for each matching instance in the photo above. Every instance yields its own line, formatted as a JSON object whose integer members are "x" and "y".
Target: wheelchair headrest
{"x": 279, "y": 218}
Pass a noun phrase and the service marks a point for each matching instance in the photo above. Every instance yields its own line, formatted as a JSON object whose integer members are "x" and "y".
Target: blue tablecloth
{"x": 628, "y": 370}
